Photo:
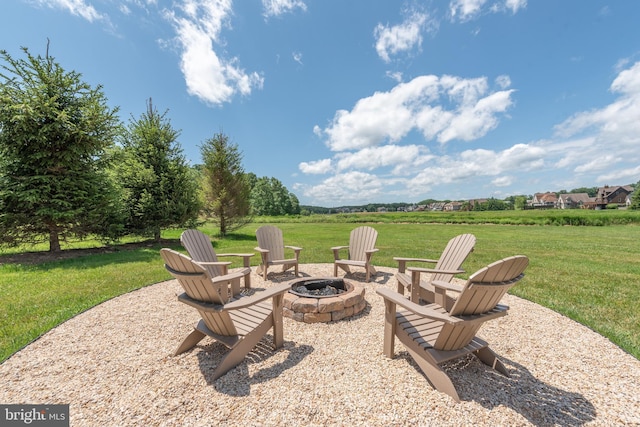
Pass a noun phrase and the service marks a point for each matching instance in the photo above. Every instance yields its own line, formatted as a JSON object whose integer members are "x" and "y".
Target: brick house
{"x": 612, "y": 194}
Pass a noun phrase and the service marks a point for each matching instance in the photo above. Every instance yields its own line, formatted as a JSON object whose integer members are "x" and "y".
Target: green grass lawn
{"x": 590, "y": 274}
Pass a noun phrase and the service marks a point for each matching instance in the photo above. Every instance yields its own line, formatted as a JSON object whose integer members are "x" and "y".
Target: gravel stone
{"x": 113, "y": 364}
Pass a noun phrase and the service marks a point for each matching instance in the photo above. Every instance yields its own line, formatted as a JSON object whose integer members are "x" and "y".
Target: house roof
{"x": 574, "y": 197}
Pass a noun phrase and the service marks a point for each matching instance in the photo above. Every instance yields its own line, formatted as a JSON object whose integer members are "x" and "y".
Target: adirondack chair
{"x": 448, "y": 265}
{"x": 362, "y": 242}
{"x": 238, "y": 322}
{"x": 433, "y": 334}
{"x": 201, "y": 251}
{"x": 272, "y": 250}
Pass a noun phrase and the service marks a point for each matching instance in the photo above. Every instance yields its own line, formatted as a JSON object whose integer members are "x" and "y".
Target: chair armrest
{"x": 421, "y": 310}
{"x": 245, "y": 257}
{"x": 214, "y": 263}
{"x": 296, "y": 250}
{"x": 229, "y": 276}
{"x": 257, "y": 297}
{"x": 238, "y": 255}
{"x": 402, "y": 262}
{"x": 336, "y": 251}
{"x": 447, "y": 285}
{"x": 415, "y": 259}
{"x": 262, "y": 251}
{"x": 369, "y": 253}
{"x": 224, "y": 265}
{"x": 433, "y": 270}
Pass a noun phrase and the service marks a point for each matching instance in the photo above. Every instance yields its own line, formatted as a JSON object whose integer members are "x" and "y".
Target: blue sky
{"x": 360, "y": 101}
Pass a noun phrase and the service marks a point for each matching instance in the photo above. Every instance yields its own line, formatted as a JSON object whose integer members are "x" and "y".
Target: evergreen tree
{"x": 226, "y": 186}
{"x": 635, "y": 198}
{"x": 160, "y": 190}
{"x": 55, "y": 131}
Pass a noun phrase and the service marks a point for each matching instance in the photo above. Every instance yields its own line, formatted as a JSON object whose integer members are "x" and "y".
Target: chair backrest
{"x": 361, "y": 239}
{"x": 200, "y": 249}
{"x": 194, "y": 279}
{"x": 454, "y": 254}
{"x": 481, "y": 294}
{"x": 486, "y": 287}
{"x": 270, "y": 238}
{"x": 197, "y": 284}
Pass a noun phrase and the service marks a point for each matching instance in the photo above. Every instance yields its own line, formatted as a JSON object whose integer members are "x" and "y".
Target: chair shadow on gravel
{"x": 540, "y": 403}
{"x": 238, "y": 381}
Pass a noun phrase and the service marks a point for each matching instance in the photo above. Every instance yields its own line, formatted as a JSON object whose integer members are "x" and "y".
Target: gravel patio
{"x": 113, "y": 364}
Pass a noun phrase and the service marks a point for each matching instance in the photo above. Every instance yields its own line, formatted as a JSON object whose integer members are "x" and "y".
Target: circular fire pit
{"x": 323, "y": 299}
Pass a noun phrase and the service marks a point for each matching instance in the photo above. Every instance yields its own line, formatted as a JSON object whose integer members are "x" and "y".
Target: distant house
{"x": 478, "y": 202}
{"x": 573, "y": 201}
{"x": 612, "y": 194}
{"x": 437, "y": 206}
{"x": 452, "y": 206}
{"x": 544, "y": 200}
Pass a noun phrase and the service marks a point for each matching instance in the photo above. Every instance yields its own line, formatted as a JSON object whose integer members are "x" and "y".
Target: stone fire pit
{"x": 326, "y": 299}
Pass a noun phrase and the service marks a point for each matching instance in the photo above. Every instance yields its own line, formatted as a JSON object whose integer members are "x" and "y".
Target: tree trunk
{"x": 223, "y": 226}
{"x": 54, "y": 241}
{"x": 156, "y": 235}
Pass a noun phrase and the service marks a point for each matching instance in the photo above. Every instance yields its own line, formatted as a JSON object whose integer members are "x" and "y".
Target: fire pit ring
{"x": 315, "y": 304}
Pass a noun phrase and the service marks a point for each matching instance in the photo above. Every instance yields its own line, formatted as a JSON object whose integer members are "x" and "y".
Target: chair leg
{"x": 237, "y": 354}
{"x": 489, "y": 358}
{"x": 436, "y": 376}
{"x": 189, "y": 342}
{"x": 371, "y": 271}
{"x": 235, "y": 286}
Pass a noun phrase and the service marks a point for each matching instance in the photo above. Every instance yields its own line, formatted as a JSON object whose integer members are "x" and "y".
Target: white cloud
{"x": 280, "y": 7}
{"x": 617, "y": 122}
{"x": 515, "y": 5}
{"x": 623, "y": 175}
{"x": 75, "y": 7}
{"x": 316, "y": 167}
{"x": 346, "y": 187}
{"x": 297, "y": 56}
{"x": 466, "y": 10}
{"x": 208, "y": 76}
{"x": 379, "y": 157}
{"x": 391, "y": 40}
{"x": 415, "y": 105}
{"x": 502, "y": 181}
{"x": 503, "y": 81}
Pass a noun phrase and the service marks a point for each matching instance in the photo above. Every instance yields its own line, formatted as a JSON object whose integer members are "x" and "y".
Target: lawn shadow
{"x": 145, "y": 251}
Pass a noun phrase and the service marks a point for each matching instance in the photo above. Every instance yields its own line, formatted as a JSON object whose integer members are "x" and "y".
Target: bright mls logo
{"x": 36, "y": 415}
